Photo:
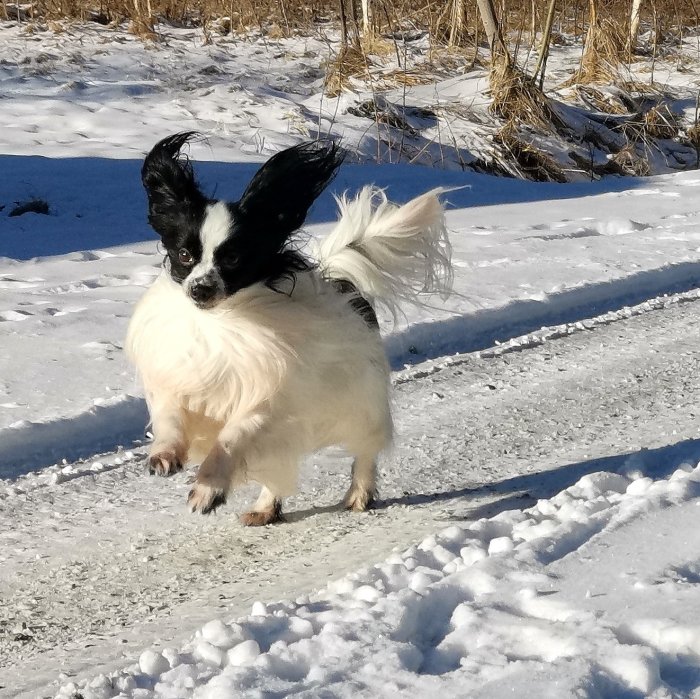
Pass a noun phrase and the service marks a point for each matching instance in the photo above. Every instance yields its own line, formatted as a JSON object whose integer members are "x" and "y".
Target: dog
{"x": 253, "y": 353}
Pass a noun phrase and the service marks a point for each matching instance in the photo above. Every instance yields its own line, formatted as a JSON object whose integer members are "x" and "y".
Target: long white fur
{"x": 390, "y": 253}
{"x": 250, "y": 386}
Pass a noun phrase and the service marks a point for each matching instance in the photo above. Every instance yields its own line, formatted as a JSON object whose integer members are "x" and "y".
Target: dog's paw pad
{"x": 164, "y": 463}
{"x": 359, "y": 499}
{"x": 205, "y": 499}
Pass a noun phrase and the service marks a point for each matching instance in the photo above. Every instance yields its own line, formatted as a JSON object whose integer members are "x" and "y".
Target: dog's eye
{"x": 185, "y": 256}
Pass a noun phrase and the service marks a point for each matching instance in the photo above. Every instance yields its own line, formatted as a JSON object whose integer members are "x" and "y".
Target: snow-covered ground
{"x": 591, "y": 592}
{"x": 490, "y": 608}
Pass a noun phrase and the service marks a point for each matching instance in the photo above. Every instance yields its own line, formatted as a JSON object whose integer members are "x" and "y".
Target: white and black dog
{"x": 252, "y": 354}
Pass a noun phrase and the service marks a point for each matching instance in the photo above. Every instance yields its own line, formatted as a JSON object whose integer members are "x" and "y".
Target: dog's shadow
{"x": 525, "y": 490}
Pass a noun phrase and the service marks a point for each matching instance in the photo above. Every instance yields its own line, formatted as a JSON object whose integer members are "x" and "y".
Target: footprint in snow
{"x": 643, "y": 193}
{"x": 65, "y": 311}
{"x": 12, "y": 283}
{"x": 14, "y": 315}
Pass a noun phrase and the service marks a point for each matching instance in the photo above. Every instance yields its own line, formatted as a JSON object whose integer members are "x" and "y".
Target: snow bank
{"x": 512, "y": 605}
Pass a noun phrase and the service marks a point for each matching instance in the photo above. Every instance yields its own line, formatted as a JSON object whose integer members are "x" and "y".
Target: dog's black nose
{"x": 202, "y": 290}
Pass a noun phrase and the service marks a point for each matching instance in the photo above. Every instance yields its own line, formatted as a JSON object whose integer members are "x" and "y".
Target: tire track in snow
{"x": 641, "y": 292}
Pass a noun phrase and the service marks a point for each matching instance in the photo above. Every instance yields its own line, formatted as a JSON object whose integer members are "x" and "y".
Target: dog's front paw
{"x": 359, "y": 499}
{"x": 205, "y": 499}
{"x": 164, "y": 463}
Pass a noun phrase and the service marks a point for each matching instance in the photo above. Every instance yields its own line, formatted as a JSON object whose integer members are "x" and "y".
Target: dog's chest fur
{"x": 258, "y": 349}
{"x": 217, "y": 362}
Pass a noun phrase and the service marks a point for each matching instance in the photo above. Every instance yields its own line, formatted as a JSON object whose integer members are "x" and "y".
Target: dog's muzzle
{"x": 203, "y": 291}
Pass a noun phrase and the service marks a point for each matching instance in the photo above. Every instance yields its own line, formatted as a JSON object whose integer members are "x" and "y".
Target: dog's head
{"x": 216, "y": 248}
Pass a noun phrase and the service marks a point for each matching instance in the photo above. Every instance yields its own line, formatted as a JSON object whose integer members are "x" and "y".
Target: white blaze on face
{"x": 214, "y": 230}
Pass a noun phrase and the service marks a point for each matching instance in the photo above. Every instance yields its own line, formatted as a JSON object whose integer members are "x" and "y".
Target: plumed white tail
{"x": 390, "y": 253}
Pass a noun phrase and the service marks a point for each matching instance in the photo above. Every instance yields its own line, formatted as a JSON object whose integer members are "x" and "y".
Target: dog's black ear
{"x": 174, "y": 198}
{"x": 281, "y": 193}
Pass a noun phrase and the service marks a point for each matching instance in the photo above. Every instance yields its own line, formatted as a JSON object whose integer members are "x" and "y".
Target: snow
{"x": 484, "y": 608}
{"x": 589, "y": 592}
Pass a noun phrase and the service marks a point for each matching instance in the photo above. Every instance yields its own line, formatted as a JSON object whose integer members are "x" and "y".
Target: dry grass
{"x": 407, "y": 78}
{"x": 516, "y": 97}
{"x": 530, "y": 162}
{"x": 661, "y": 122}
{"x": 377, "y": 45}
{"x": 656, "y": 123}
{"x": 600, "y": 63}
{"x": 608, "y": 101}
{"x": 662, "y": 16}
{"x": 35, "y": 206}
{"x": 628, "y": 161}
{"x": 350, "y": 62}
{"x": 693, "y": 136}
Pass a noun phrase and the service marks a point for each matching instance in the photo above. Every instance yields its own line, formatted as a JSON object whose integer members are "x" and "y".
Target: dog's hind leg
{"x": 266, "y": 510}
{"x": 366, "y": 444}
{"x": 363, "y": 488}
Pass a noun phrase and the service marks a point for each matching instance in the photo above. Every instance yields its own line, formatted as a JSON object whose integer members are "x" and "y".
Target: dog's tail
{"x": 389, "y": 253}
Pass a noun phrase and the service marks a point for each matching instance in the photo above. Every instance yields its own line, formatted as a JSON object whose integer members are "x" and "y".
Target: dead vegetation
{"x": 349, "y": 62}
{"x": 597, "y": 121}
{"x": 604, "y": 45}
{"x": 453, "y": 23}
{"x": 523, "y": 159}
{"x": 515, "y": 97}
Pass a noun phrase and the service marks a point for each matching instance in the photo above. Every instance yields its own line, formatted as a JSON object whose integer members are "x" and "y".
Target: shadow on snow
{"x": 520, "y": 492}
{"x": 99, "y": 202}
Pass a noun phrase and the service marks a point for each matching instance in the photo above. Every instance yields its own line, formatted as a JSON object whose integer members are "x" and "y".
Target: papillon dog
{"x": 254, "y": 353}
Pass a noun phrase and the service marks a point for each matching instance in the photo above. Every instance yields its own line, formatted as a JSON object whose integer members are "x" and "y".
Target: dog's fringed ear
{"x": 174, "y": 198}
{"x": 281, "y": 193}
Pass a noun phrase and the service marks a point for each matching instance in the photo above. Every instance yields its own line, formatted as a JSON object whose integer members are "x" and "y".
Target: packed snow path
{"x": 106, "y": 558}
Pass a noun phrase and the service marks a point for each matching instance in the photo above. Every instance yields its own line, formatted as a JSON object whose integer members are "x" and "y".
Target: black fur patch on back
{"x": 359, "y": 304}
